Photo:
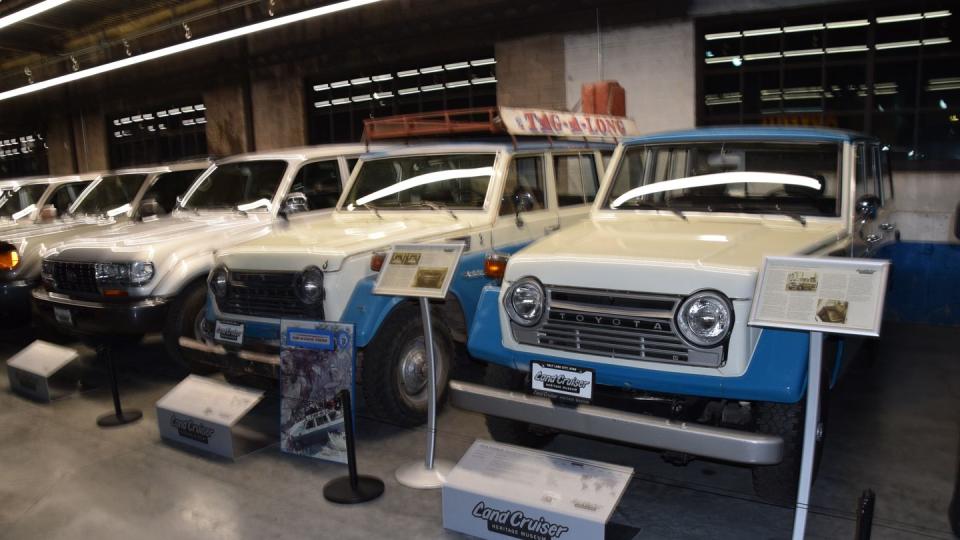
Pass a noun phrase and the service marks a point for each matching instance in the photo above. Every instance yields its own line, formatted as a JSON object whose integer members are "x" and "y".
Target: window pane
{"x": 525, "y": 177}
{"x": 167, "y": 187}
{"x": 321, "y": 184}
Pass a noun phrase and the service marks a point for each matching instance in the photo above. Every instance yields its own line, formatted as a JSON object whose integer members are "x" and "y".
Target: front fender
{"x": 183, "y": 272}
{"x": 777, "y": 371}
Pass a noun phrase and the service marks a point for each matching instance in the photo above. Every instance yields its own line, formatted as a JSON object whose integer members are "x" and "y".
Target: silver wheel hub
{"x": 414, "y": 368}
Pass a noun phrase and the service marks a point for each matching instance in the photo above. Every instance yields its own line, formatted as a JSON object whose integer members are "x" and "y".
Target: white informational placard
{"x": 201, "y": 413}
{"x": 524, "y": 121}
{"x": 499, "y": 491}
{"x": 30, "y": 369}
{"x": 831, "y": 295}
{"x": 418, "y": 270}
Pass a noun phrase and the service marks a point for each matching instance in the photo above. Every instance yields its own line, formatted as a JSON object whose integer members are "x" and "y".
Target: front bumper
{"x": 640, "y": 429}
{"x": 15, "y": 302}
{"x": 230, "y": 361}
{"x": 128, "y": 318}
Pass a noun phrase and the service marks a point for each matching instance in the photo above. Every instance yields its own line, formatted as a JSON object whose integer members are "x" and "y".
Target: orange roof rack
{"x": 450, "y": 122}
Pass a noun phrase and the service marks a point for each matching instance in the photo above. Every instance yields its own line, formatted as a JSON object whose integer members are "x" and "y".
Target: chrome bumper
{"x": 234, "y": 361}
{"x": 640, "y": 429}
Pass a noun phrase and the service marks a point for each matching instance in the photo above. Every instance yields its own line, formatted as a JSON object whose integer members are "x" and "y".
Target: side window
{"x": 576, "y": 177}
{"x": 525, "y": 176}
{"x": 867, "y": 171}
{"x": 167, "y": 187}
{"x": 320, "y": 182}
{"x": 352, "y": 164}
{"x": 65, "y": 195}
{"x": 606, "y": 156}
{"x": 886, "y": 176}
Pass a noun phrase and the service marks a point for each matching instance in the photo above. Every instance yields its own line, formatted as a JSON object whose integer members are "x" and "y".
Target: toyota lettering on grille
{"x": 610, "y": 322}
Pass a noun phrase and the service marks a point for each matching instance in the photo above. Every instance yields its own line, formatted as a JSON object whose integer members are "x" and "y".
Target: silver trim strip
{"x": 43, "y": 294}
{"x": 644, "y": 430}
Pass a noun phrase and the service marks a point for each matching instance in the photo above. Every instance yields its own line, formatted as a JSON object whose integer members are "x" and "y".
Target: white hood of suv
{"x": 664, "y": 254}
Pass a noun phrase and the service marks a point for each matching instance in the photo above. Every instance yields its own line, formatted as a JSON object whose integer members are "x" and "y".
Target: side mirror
{"x": 294, "y": 202}
{"x": 867, "y": 208}
{"x": 48, "y": 212}
{"x": 150, "y": 208}
{"x": 522, "y": 202}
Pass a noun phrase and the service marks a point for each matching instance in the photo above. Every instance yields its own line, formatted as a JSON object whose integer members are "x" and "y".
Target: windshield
{"x": 242, "y": 186}
{"x": 14, "y": 202}
{"x": 449, "y": 180}
{"x": 753, "y": 177}
{"x": 110, "y": 196}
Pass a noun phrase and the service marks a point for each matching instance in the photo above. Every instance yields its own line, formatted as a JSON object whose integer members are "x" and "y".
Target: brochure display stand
{"x": 422, "y": 271}
{"x": 821, "y": 296}
{"x": 353, "y": 488}
{"x": 33, "y": 371}
{"x": 118, "y": 417}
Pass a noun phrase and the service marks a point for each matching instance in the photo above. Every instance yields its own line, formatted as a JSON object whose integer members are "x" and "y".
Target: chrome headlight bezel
{"x": 218, "y": 281}
{"x": 524, "y": 317}
{"x": 126, "y": 274}
{"x": 683, "y": 313}
{"x": 309, "y": 286}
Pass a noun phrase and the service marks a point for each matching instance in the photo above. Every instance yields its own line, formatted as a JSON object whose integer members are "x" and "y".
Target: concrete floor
{"x": 893, "y": 428}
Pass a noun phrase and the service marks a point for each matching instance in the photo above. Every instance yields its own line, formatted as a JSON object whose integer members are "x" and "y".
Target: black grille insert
{"x": 265, "y": 294}
{"x": 73, "y": 277}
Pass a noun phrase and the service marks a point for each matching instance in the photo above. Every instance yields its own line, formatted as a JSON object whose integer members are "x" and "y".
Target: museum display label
{"x": 201, "y": 413}
{"x": 559, "y": 381}
{"x": 30, "y": 371}
{"x": 540, "y": 122}
{"x": 418, "y": 270}
{"x": 316, "y": 363}
{"x": 500, "y": 491}
{"x": 831, "y": 295}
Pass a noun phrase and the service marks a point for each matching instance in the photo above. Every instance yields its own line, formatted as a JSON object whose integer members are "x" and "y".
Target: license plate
{"x": 229, "y": 332}
{"x": 557, "y": 381}
{"x": 63, "y": 316}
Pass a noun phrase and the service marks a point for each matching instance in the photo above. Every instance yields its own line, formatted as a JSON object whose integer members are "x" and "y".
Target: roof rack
{"x": 473, "y": 120}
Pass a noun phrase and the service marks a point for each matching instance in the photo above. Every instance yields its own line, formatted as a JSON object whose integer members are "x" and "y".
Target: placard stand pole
{"x": 432, "y": 472}
{"x": 118, "y": 417}
{"x": 353, "y": 488}
{"x": 811, "y": 425}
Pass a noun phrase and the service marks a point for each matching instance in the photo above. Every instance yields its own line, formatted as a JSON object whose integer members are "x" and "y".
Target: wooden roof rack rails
{"x": 449, "y": 122}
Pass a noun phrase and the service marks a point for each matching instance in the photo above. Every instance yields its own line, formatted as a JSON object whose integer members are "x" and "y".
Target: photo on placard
{"x": 802, "y": 281}
{"x": 832, "y": 311}
{"x": 311, "y": 416}
{"x": 430, "y": 278}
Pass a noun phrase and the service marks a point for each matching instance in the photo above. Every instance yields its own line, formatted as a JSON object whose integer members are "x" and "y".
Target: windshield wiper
{"x": 373, "y": 209}
{"x": 799, "y": 218}
{"x": 436, "y": 206}
{"x": 647, "y": 204}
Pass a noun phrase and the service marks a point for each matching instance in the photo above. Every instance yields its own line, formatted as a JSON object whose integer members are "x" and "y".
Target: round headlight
{"x": 9, "y": 257}
{"x": 218, "y": 281}
{"x": 524, "y": 302}
{"x": 705, "y": 318}
{"x": 309, "y": 286}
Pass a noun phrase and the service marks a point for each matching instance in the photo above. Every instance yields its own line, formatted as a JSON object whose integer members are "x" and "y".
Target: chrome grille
{"x": 614, "y": 324}
{"x": 265, "y": 294}
{"x": 74, "y": 277}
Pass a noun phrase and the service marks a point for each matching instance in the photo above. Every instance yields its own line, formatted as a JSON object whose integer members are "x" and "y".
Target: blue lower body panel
{"x": 777, "y": 371}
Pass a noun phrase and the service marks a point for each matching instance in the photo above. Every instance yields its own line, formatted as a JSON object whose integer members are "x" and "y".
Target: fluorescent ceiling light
{"x": 847, "y": 24}
{"x": 761, "y": 56}
{"x": 761, "y": 32}
{"x": 722, "y": 35}
{"x": 803, "y": 28}
{"x": 186, "y": 46}
{"x": 851, "y": 48}
{"x": 802, "y": 52}
{"x": 483, "y": 62}
{"x": 26, "y": 13}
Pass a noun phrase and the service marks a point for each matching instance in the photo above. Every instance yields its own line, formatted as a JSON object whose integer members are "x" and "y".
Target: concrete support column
{"x": 279, "y": 118}
{"x": 530, "y": 72}
{"x": 60, "y": 147}
{"x": 227, "y": 122}
{"x": 90, "y": 138}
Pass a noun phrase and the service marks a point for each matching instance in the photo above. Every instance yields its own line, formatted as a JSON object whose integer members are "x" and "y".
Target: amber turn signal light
{"x": 376, "y": 262}
{"x": 495, "y": 265}
{"x": 115, "y": 293}
{"x": 9, "y": 257}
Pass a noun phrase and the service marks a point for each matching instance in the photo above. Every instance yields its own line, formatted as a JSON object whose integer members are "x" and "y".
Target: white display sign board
{"x": 831, "y": 295}
{"x": 418, "y": 270}
{"x": 499, "y": 491}
{"x": 201, "y": 413}
{"x": 544, "y": 122}
{"x": 31, "y": 369}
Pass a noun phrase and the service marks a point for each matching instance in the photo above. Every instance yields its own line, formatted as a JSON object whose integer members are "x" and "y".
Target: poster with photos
{"x": 316, "y": 362}
{"x": 833, "y": 295}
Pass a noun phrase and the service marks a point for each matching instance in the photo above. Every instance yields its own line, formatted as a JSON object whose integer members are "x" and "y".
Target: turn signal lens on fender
{"x": 376, "y": 262}
{"x": 495, "y": 266}
{"x": 9, "y": 257}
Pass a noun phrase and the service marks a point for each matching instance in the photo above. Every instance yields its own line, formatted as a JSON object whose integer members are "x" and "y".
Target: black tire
{"x": 392, "y": 354}
{"x": 182, "y": 320}
{"x": 513, "y": 431}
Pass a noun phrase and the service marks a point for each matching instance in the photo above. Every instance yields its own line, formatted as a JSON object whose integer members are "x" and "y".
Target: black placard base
{"x": 341, "y": 491}
{"x": 128, "y": 416}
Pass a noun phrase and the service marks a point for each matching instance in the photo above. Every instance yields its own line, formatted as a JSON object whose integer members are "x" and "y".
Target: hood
{"x": 31, "y": 242}
{"x": 331, "y": 238}
{"x": 665, "y": 254}
{"x": 156, "y": 240}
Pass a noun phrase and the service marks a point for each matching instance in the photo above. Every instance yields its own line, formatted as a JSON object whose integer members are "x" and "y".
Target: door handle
{"x": 888, "y": 226}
